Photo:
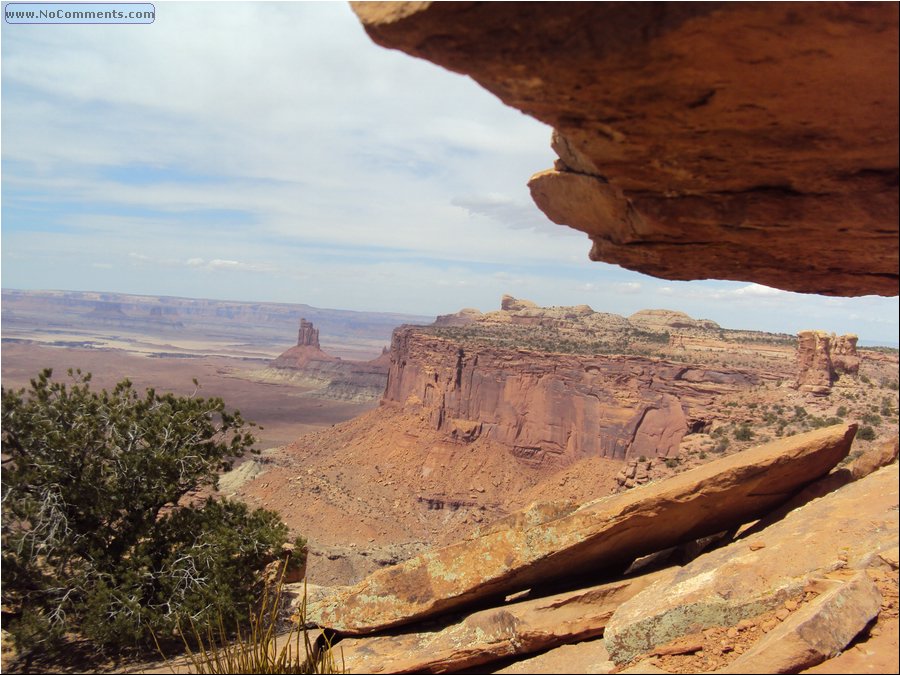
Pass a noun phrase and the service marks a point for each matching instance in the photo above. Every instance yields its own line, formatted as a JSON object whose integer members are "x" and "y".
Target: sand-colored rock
{"x": 818, "y": 631}
{"x": 493, "y": 634}
{"x": 874, "y": 458}
{"x": 510, "y": 304}
{"x": 463, "y": 317}
{"x": 666, "y": 318}
{"x": 746, "y": 141}
{"x": 815, "y": 372}
{"x": 822, "y": 357}
{"x": 601, "y": 535}
{"x": 844, "y": 529}
{"x": 552, "y": 408}
{"x": 588, "y": 657}
{"x": 844, "y": 355}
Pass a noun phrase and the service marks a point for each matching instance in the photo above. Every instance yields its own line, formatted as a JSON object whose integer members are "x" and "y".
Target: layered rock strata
{"x": 512, "y": 629}
{"x": 599, "y": 536}
{"x": 746, "y": 141}
{"x": 550, "y": 407}
{"x": 822, "y": 357}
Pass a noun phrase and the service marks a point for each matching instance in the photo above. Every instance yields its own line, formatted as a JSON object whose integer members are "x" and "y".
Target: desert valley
{"x": 472, "y": 419}
{"x": 649, "y": 483}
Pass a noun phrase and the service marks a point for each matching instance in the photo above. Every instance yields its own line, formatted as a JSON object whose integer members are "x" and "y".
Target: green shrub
{"x": 842, "y": 411}
{"x": 872, "y": 419}
{"x": 97, "y": 538}
{"x": 866, "y": 433}
{"x": 743, "y": 433}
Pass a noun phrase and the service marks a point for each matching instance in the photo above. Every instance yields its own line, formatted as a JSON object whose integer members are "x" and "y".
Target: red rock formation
{"x": 844, "y": 356}
{"x": 332, "y": 377}
{"x": 746, "y": 141}
{"x": 821, "y": 357}
{"x": 306, "y": 351}
{"x": 308, "y": 335}
{"x": 553, "y": 407}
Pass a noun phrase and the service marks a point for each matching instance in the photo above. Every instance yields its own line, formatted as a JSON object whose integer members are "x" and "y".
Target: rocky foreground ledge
{"x": 599, "y": 537}
{"x": 812, "y": 560}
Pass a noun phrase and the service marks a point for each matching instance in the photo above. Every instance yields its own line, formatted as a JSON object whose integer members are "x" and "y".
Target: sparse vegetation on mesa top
{"x": 100, "y": 538}
{"x": 555, "y": 340}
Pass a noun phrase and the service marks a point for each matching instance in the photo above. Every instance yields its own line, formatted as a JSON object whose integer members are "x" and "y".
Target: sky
{"x": 272, "y": 152}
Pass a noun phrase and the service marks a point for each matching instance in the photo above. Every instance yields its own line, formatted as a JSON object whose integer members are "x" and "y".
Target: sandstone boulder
{"x": 844, "y": 529}
{"x": 599, "y": 536}
{"x": 492, "y": 634}
{"x": 818, "y": 631}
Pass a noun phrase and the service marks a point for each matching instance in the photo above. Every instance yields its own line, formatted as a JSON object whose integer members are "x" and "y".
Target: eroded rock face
{"x": 822, "y": 357}
{"x": 308, "y": 335}
{"x": 600, "y": 535}
{"x": 844, "y": 356}
{"x": 746, "y": 141}
{"x": 549, "y": 407}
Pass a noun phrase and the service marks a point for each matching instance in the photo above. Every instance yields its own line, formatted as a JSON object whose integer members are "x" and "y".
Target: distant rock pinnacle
{"x": 308, "y": 335}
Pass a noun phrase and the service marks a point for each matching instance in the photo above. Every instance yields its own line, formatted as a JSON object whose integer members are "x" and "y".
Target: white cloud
{"x": 272, "y": 151}
{"x": 757, "y": 290}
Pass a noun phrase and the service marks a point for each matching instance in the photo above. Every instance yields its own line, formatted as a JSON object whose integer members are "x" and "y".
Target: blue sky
{"x": 271, "y": 151}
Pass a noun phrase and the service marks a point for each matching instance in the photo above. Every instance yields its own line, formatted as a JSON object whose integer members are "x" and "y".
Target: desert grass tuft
{"x": 255, "y": 648}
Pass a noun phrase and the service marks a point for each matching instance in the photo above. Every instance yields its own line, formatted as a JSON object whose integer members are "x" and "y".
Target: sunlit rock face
{"x": 745, "y": 141}
{"x": 550, "y": 408}
{"x": 822, "y": 357}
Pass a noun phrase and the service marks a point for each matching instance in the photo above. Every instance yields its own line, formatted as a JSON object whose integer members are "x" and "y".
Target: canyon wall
{"x": 549, "y": 407}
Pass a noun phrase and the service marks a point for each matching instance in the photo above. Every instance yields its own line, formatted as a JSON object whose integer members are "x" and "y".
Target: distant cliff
{"x": 553, "y": 407}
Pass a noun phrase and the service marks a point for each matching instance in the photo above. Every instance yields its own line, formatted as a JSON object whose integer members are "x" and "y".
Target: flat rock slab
{"x": 589, "y": 658}
{"x": 602, "y": 535}
{"x": 819, "y": 631}
{"x": 841, "y": 531}
{"x": 494, "y": 634}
